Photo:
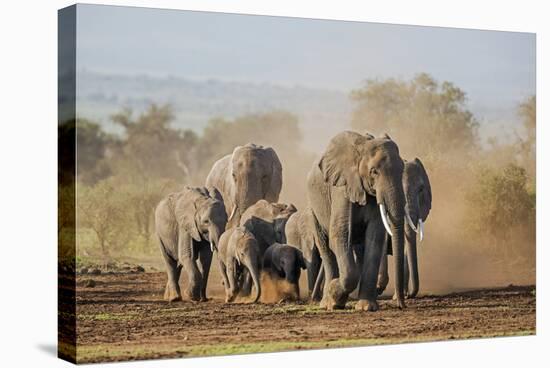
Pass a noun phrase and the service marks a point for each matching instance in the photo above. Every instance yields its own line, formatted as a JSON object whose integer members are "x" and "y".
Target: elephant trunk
{"x": 249, "y": 191}
{"x": 412, "y": 261}
{"x": 214, "y": 233}
{"x": 395, "y": 201}
{"x": 253, "y": 268}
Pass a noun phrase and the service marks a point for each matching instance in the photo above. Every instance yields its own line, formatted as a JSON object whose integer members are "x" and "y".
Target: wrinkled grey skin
{"x": 187, "y": 223}
{"x": 302, "y": 231}
{"x": 285, "y": 262}
{"x": 244, "y": 177}
{"x": 418, "y": 193}
{"x": 239, "y": 251}
{"x": 266, "y": 221}
{"x": 367, "y": 232}
{"x": 357, "y": 170}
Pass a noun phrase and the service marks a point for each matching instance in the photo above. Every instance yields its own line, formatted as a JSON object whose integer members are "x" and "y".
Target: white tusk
{"x": 384, "y": 218}
{"x": 232, "y": 213}
{"x": 212, "y": 247}
{"x": 421, "y": 229}
{"x": 410, "y": 221}
{"x": 238, "y": 260}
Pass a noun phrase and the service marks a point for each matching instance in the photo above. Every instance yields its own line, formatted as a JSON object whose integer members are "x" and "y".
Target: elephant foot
{"x": 411, "y": 294}
{"x": 193, "y": 296}
{"x": 365, "y": 305}
{"x": 171, "y": 295}
{"x": 407, "y": 296}
{"x": 229, "y": 298}
{"x": 334, "y": 298}
{"x": 400, "y": 303}
{"x": 315, "y": 298}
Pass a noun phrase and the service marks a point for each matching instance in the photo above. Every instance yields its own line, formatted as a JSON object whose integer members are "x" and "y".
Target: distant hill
{"x": 321, "y": 112}
{"x": 195, "y": 102}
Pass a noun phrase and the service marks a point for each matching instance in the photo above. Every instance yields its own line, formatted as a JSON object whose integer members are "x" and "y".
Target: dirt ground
{"x": 123, "y": 317}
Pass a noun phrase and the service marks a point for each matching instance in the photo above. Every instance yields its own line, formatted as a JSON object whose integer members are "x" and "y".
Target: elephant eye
{"x": 374, "y": 171}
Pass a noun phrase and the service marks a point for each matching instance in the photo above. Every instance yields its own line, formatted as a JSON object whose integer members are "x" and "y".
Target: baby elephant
{"x": 239, "y": 250}
{"x": 303, "y": 232}
{"x": 188, "y": 226}
{"x": 285, "y": 262}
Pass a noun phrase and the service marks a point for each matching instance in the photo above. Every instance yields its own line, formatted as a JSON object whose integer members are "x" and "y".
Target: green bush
{"x": 501, "y": 212}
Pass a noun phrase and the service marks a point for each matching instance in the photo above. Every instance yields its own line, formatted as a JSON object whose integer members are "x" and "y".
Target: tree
{"x": 277, "y": 129}
{"x": 501, "y": 211}
{"x": 151, "y": 147}
{"x": 66, "y": 221}
{"x": 426, "y": 118}
{"x": 92, "y": 143}
{"x": 102, "y": 209}
{"x": 142, "y": 199}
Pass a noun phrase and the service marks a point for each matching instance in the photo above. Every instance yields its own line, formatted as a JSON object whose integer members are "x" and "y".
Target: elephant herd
{"x": 364, "y": 203}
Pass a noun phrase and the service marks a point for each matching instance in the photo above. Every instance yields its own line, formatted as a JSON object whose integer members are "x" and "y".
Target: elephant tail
{"x": 317, "y": 289}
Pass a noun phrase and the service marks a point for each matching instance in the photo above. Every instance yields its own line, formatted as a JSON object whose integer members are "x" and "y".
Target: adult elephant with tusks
{"x": 356, "y": 170}
{"x": 418, "y": 194}
{"x": 252, "y": 172}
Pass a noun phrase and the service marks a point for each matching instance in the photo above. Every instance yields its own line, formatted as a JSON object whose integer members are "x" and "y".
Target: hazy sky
{"x": 494, "y": 68}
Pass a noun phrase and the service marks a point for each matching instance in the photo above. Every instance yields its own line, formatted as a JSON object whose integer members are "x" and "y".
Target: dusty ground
{"x": 123, "y": 317}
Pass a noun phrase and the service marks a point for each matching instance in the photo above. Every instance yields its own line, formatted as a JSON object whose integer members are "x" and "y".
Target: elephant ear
{"x": 273, "y": 188}
{"x": 186, "y": 211}
{"x": 369, "y": 135}
{"x": 215, "y": 194}
{"x": 426, "y": 197}
{"x": 340, "y": 164}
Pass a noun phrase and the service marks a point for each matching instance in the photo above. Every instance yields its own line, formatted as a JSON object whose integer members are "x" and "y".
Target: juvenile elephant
{"x": 302, "y": 231}
{"x": 188, "y": 226}
{"x": 418, "y": 194}
{"x": 285, "y": 262}
{"x": 250, "y": 173}
{"x": 267, "y": 222}
{"x": 356, "y": 171}
{"x": 239, "y": 250}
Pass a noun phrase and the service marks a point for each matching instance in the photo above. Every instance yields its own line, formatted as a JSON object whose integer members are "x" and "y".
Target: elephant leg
{"x": 329, "y": 269}
{"x": 188, "y": 254}
{"x": 359, "y": 250}
{"x": 312, "y": 271}
{"x": 246, "y": 283}
{"x": 194, "y": 279}
{"x": 383, "y": 277}
{"x": 205, "y": 260}
{"x": 337, "y": 290}
{"x": 225, "y": 280}
{"x": 374, "y": 246}
{"x": 232, "y": 281}
{"x": 173, "y": 270}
